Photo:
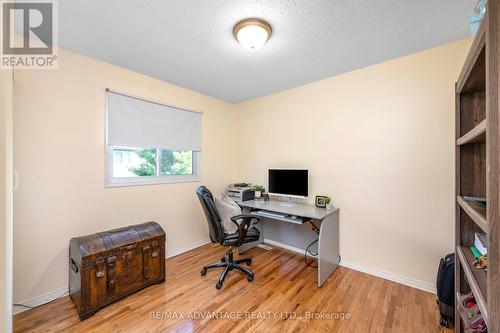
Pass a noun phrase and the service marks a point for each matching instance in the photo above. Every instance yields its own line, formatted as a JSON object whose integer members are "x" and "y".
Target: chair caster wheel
{"x": 250, "y": 278}
{"x": 249, "y": 263}
{"x": 218, "y": 285}
{"x": 223, "y": 259}
{"x": 203, "y": 271}
{"x": 443, "y": 322}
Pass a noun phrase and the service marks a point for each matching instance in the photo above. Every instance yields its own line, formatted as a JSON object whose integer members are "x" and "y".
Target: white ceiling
{"x": 190, "y": 43}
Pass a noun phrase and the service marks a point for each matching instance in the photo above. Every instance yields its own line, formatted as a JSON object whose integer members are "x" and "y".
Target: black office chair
{"x": 245, "y": 234}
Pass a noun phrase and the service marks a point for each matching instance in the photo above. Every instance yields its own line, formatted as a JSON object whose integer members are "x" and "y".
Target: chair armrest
{"x": 244, "y": 225}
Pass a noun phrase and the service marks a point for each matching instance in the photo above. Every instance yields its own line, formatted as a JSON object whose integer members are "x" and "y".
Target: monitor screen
{"x": 288, "y": 182}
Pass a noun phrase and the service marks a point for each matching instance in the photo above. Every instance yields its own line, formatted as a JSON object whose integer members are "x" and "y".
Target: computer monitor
{"x": 289, "y": 183}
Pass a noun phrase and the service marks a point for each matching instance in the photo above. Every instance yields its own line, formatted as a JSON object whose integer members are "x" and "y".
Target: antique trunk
{"x": 107, "y": 266}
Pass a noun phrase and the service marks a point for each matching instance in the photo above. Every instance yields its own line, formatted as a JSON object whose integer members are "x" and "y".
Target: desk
{"x": 327, "y": 221}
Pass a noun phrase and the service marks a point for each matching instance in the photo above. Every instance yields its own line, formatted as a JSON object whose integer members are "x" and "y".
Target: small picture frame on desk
{"x": 320, "y": 201}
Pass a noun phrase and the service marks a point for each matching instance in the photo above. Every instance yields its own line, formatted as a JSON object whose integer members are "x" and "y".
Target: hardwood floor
{"x": 282, "y": 298}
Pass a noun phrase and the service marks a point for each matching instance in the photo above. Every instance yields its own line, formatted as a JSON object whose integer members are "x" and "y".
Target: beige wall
{"x": 379, "y": 141}
{"x": 59, "y": 154}
{"x": 5, "y": 200}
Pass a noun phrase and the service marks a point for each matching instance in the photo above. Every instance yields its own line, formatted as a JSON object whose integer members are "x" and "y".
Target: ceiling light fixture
{"x": 252, "y": 33}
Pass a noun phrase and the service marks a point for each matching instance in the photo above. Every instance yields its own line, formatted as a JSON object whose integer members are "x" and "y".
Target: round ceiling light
{"x": 252, "y": 33}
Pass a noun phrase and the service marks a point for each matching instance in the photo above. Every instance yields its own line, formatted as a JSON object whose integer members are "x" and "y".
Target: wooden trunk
{"x": 108, "y": 266}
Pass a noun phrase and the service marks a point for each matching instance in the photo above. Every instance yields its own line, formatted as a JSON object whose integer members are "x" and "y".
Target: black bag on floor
{"x": 445, "y": 289}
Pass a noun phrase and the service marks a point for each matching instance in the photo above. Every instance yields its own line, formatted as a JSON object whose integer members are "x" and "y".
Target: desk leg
{"x": 328, "y": 247}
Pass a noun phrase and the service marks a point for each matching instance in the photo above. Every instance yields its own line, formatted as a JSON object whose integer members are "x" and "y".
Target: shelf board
{"x": 473, "y": 75}
{"x": 475, "y": 277}
{"x": 476, "y": 211}
{"x": 475, "y": 135}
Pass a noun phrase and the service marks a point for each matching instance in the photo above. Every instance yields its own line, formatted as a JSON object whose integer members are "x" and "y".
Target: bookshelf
{"x": 477, "y": 169}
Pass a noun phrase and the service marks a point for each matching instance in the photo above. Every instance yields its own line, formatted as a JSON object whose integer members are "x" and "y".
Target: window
{"x": 150, "y": 143}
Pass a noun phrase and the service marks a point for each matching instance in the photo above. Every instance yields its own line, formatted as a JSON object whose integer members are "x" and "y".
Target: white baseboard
{"x": 51, "y": 295}
{"x": 192, "y": 246}
{"x": 42, "y": 299}
{"x": 426, "y": 286}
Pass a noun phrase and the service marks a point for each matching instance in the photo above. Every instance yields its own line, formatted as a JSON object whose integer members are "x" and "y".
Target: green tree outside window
{"x": 176, "y": 162}
{"x": 172, "y": 163}
{"x": 148, "y": 165}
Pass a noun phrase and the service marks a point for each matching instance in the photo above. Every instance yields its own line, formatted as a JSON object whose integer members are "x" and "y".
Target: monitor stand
{"x": 288, "y": 203}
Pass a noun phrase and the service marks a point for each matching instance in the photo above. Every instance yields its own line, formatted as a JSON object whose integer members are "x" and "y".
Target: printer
{"x": 240, "y": 192}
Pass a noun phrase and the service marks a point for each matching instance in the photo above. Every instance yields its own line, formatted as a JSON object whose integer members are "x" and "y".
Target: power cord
{"x": 310, "y": 253}
{"x": 34, "y": 307}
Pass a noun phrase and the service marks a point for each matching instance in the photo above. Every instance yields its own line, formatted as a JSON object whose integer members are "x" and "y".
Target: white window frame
{"x": 150, "y": 180}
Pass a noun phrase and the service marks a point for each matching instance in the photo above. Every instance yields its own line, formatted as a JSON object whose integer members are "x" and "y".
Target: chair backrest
{"x": 213, "y": 218}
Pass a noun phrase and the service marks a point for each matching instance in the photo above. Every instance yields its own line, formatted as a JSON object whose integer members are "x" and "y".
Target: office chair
{"x": 245, "y": 234}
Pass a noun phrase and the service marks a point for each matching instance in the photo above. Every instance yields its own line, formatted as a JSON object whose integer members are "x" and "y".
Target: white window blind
{"x": 133, "y": 122}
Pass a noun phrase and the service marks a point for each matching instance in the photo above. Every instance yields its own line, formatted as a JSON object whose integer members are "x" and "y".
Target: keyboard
{"x": 271, "y": 214}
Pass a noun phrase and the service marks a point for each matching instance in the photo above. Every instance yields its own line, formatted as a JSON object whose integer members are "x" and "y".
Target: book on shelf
{"x": 476, "y": 199}
{"x": 475, "y": 252}
{"x": 480, "y": 242}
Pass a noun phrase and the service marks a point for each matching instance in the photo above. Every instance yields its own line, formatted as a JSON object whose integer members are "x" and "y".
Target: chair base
{"x": 229, "y": 264}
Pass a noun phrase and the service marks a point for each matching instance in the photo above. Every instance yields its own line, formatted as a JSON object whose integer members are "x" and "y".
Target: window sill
{"x": 125, "y": 183}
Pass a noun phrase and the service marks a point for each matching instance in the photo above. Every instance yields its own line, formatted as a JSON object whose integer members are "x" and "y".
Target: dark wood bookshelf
{"x": 477, "y": 169}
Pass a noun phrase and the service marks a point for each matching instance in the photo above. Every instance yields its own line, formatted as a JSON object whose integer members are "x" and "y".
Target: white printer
{"x": 240, "y": 192}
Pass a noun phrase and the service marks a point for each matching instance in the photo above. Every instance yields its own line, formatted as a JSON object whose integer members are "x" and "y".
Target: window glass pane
{"x": 134, "y": 162}
{"x": 176, "y": 162}
{"x": 117, "y": 156}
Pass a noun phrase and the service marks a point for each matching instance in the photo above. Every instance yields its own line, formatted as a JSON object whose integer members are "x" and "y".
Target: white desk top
{"x": 298, "y": 209}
